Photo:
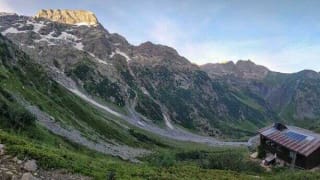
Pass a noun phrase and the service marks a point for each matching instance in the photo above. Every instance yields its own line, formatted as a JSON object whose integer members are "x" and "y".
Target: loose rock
{"x": 1, "y": 149}
{"x": 18, "y": 161}
{"x": 5, "y": 176}
{"x": 28, "y": 176}
{"x": 30, "y": 166}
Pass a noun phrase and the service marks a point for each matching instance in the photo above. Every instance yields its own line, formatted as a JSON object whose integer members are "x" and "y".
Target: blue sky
{"x": 283, "y": 35}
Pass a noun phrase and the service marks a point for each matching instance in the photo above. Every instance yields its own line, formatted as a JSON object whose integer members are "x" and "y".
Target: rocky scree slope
{"x": 27, "y": 93}
{"x": 29, "y": 89}
{"x": 151, "y": 79}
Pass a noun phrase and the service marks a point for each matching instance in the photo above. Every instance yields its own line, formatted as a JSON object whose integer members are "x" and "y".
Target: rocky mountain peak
{"x": 245, "y": 62}
{"x": 148, "y": 48}
{"x": 248, "y": 64}
{"x": 309, "y": 74}
{"x": 75, "y": 17}
{"x": 228, "y": 63}
{"x": 7, "y": 14}
{"x": 149, "y": 52}
{"x": 251, "y": 70}
{"x": 245, "y": 69}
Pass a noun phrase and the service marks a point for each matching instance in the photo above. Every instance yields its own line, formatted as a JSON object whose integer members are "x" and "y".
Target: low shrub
{"x": 13, "y": 115}
{"x": 143, "y": 138}
{"x": 230, "y": 160}
{"x": 163, "y": 159}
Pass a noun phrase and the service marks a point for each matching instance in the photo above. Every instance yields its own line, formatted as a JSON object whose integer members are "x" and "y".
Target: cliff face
{"x": 75, "y": 17}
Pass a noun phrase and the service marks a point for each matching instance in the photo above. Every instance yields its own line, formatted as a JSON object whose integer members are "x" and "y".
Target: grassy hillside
{"x": 20, "y": 79}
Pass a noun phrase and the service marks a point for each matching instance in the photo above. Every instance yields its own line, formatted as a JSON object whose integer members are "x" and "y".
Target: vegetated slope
{"x": 292, "y": 96}
{"x": 27, "y": 93}
{"x": 152, "y": 79}
{"x": 66, "y": 115}
{"x": 22, "y": 81}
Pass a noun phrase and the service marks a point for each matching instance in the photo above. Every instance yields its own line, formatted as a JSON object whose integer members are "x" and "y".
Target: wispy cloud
{"x": 292, "y": 58}
{"x": 287, "y": 58}
{"x": 277, "y": 52}
{"x": 165, "y": 31}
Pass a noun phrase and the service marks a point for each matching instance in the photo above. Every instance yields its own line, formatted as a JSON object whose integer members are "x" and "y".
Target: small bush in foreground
{"x": 229, "y": 160}
{"x": 164, "y": 159}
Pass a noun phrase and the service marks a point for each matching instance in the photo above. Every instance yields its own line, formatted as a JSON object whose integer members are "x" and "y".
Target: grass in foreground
{"x": 77, "y": 159}
{"x": 58, "y": 153}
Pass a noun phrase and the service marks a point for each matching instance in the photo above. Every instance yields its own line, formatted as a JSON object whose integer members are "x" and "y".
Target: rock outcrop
{"x": 242, "y": 69}
{"x": 76, "y": 17}
{"x": 14, "y": 169}
{"x": 28, "y": 176}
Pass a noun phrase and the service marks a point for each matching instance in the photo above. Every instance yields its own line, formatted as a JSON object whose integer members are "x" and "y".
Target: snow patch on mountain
{"x": 141, "y": 123}
{"x": 11, "y": 30}
{"x": 83, "y": 96}
{"x": 36, "y": 26}
{"x": 82, "y": 24}
{"x": 31, "y": 46}
{"x": 79, "y": 46}
{"x": 66, "y": 36}
{"x": 168, "y": 123}
{"x": 44, "y": 39}
{"x": 123, "y": 54}
{"x": 62, "y": 38}
{"x": 98, "y": 59}
{"x": 120, "y": 53}
{"x": 145, "y": 91}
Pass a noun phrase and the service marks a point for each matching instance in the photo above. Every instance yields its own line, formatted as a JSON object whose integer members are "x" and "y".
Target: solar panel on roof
{"x": 295, "y": 136}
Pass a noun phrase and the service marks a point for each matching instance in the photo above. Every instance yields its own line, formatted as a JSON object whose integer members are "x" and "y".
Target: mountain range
{"x": 155, "y": 83}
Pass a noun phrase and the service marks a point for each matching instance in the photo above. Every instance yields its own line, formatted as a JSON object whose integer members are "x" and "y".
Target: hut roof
{"x": 294, "y": 138}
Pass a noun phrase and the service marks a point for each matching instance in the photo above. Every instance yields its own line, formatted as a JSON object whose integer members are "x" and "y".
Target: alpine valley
{"x": 76, "y": 97}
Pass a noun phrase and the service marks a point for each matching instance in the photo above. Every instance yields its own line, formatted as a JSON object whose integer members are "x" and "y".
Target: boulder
{"x": 254, "y": 155}
{"x": 30, "y": 166}
{"x": 28, "y": 176}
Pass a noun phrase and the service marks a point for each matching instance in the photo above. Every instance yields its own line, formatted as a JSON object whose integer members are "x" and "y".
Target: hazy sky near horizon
{"x": 283, "y": 35}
